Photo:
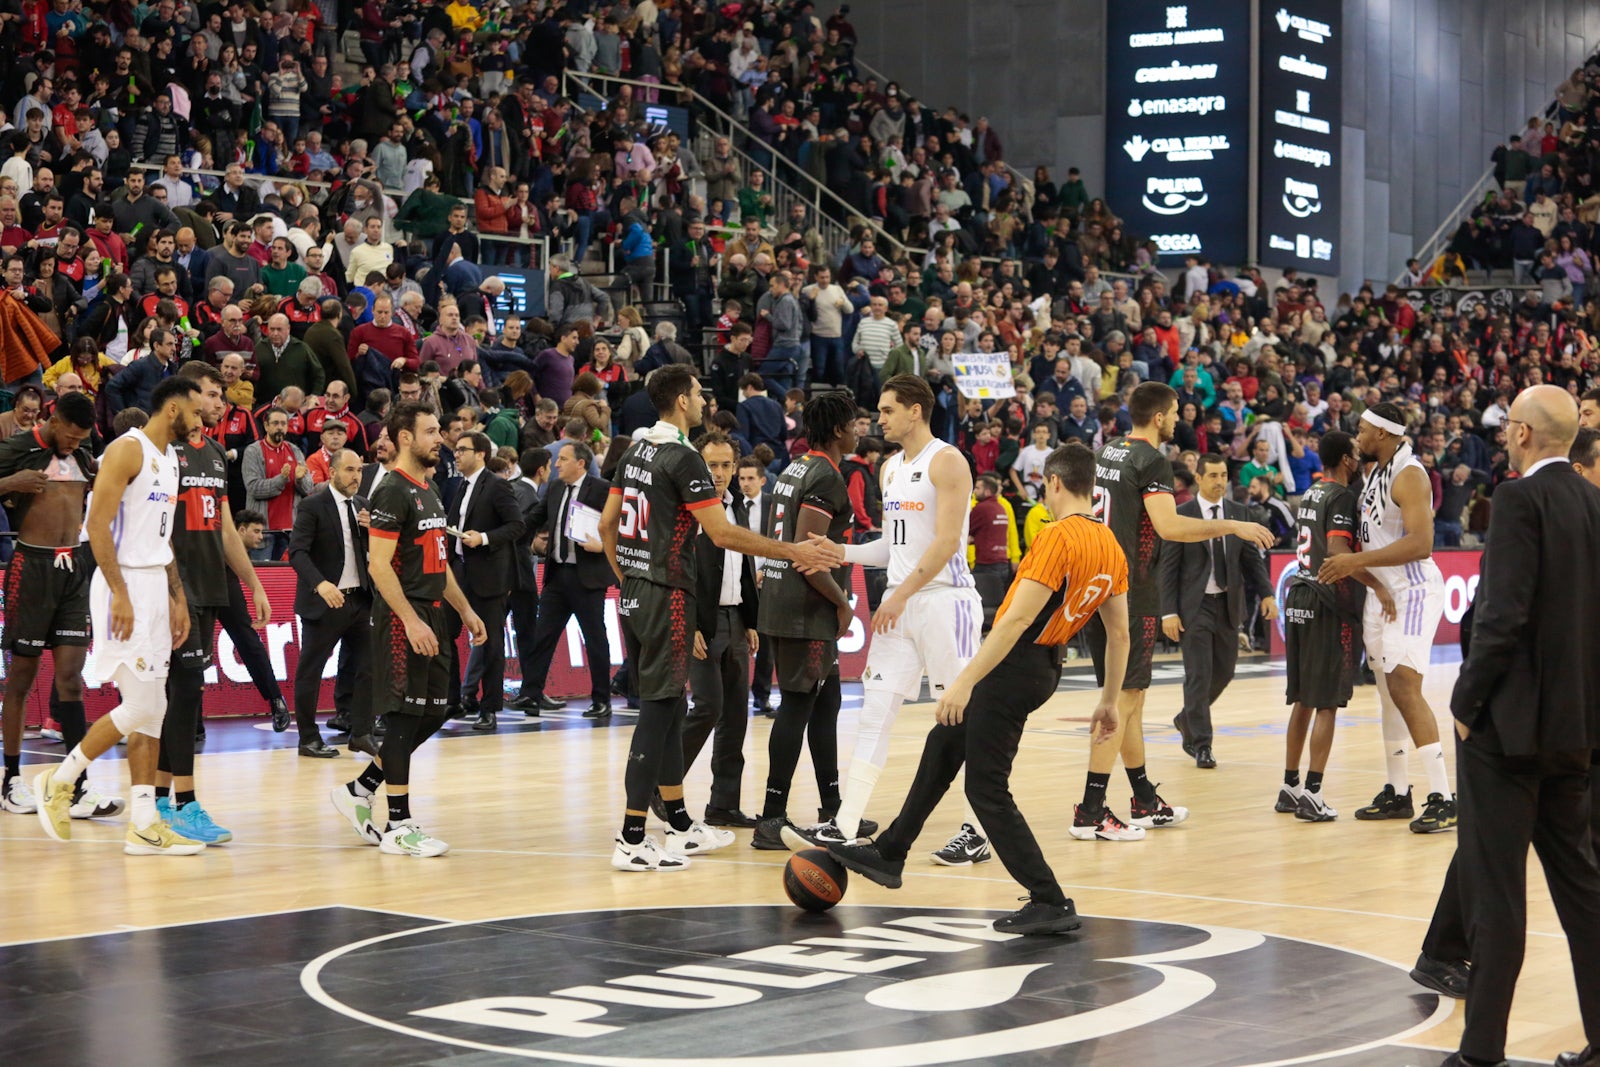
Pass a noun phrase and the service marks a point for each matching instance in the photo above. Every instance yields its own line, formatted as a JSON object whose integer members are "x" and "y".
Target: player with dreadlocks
{"x": 804, "y": 615}
{"x": 1396, "y": 532}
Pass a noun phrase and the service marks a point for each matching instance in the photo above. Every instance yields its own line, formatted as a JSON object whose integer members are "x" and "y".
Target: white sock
{"x": 1432, "y": 757}
{"x": 142, "y": 809}
{"x": 75, "y": 764}
{"x": 1395, "y": 736}
{"x": 858, "y": 786}
{"x": 1394, "y": 762}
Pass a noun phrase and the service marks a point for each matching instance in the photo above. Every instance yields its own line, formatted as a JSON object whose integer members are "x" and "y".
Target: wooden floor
{"x": 530, "y": 815}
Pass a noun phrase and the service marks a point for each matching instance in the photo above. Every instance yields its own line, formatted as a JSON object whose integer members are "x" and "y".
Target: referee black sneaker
{"x": 864, "y": 827}
{"x": 1040, "y": 917}
{"x": 769, "y": 835}
{"x": 1387, "y": 805}
{"x": 1442, "y": 976}
{"x": 1438, "y": 815}
{"x": 869, "y": 863}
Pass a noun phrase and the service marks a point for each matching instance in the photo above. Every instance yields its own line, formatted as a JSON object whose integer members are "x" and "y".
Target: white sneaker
{"x": 18, "y": 797}
{"x": 50, "y": 734}
{"x": 1288, "y": 799}
{"x": 696, "y": 839}
{"x": 409, "y": 839}
{"x": 1314, "y": 809}
{"x": 93, "y": 805}
{"x": 359, "y": 811}
{"x": 1106, "y": 828}
{"x": 645, "y": 856}
{"x": 964, "y": 849}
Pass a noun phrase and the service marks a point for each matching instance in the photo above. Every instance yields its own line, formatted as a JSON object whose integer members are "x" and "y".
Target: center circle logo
{"x": 768, "y": 986}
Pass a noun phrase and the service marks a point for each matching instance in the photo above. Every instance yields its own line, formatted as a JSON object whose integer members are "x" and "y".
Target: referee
{"x": 1074, "y": 569}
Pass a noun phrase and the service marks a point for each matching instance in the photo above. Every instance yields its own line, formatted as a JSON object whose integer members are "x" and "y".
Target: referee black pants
{"x": 986, "y": 741}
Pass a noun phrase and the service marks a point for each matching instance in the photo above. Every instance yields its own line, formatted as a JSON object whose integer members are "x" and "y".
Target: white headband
{"x": 1382, "y": 423}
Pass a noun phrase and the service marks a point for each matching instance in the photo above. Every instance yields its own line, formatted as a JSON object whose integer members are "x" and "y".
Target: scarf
{"x": 661, "y": 433}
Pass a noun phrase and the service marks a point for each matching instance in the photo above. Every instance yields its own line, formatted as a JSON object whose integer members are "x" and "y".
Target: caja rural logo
{"x": 765, "y": 986}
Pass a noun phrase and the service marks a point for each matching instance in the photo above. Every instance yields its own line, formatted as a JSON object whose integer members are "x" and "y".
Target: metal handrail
{"x": 1434, "y": 245}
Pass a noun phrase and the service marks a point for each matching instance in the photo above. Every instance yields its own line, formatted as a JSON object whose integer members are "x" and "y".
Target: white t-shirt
{"x": 1030, "y": 468}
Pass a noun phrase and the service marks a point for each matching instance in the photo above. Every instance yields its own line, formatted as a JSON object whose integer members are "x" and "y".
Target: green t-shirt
{"x": 283, "y": 282}
{"x": 1250, "y": 471}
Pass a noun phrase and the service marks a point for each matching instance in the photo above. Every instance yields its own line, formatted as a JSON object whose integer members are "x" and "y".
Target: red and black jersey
{"x": 661, "y": 485}
{"x": 299, "y": 315}
{"x": 1126, "y": 471}
{"x": 1326, "y": 511}
{"x": 355, "y": 429}
{"x": 197, "y": 523}
{"x": 147, "y": 306}
{"x": 297, "y": 422}
{"x": 789, "y": 606}
{"x": 408, "y": 512}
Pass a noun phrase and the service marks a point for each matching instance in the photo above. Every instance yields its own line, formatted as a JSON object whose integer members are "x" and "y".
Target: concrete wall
{"x": 1430, "y": 87}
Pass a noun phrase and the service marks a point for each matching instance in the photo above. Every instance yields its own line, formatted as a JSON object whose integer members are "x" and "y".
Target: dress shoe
{"x": 280, "y": 715}
{"x": 456, "y": 711}
{"x": 1589, "y": 1057}
{"x": 1442, "y": 976}
{"x": 339, "y": 724}
{"x": 528, "y": 704}
{"x": 598, "y": 710}
{"x": 487, "y": 722}
{"x": 730, "y": 817}
{"x": 318, "y": 749}
{"x": 1455, "y": 1059}
{"x": 551, "y": 704}
{"x": 1188, "y": 749}
{"x": 363, "y": 743}
{"x": 1203, "y": 758}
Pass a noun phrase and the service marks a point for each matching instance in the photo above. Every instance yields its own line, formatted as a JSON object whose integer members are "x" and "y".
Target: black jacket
{"x": 1531, "y": 683}
{"x": 1185, "y": 568}
{"x": 528, "y": 500}
{"x": 709, "y": 560}
{"x": 316, "y": 550}
{"x": 490, "y": 570}
{"x": 594, "y": 570}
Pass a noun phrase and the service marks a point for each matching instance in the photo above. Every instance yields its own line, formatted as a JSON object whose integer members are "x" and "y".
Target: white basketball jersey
{"x": 1383, "y": 523}
{"x": 909, "y": 519}
{"x": 142, "y": 530}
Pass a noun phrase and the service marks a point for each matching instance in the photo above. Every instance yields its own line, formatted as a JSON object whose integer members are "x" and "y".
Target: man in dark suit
{"x": 1203, "y": 589}
{"x": 725, "y": 637}
{"x": 576, "y": 576}
{"x": 751, "y": 485}
{"x": 486, "y": 515}
{"x": 333, "y": 597}
{"x": 534, "y": 471}
{"x": 1527, "y": 710}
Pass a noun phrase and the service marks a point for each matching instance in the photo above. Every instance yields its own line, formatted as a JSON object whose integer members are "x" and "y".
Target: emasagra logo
{"x": 767, "y": 986}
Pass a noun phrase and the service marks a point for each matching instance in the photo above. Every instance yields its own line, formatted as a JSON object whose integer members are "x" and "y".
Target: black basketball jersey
{"x": 789, "y": 606}
{"x": 1327, "y": 510}
{"x": 409, "y": 513}
{"x": 661, "y": 485}
{"x": 1126, "y": 471}
{"x": 197, "y": 523}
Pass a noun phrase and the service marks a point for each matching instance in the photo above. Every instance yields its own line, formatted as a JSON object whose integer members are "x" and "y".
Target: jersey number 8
{"x": 634, "y": 523}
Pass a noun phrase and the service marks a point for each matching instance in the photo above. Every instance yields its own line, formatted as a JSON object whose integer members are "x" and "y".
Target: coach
{"x": 333, "y": 597}
{"x": 1203, "y": 587}
{"x": 1527, "y": 709}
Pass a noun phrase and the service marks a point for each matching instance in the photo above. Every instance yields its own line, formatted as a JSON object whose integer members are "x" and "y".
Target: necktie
{"x": 357, "y": 545}
{"x": 1219, "y": 559}
{"x": 563, "y": 543}
{"x": 461, "y": 518}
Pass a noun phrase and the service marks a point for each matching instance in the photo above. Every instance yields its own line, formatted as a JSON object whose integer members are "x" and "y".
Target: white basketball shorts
{"x": 936, "y": 635}
{"x": 148, "y": 650}
{"x": 1419, "y": 605}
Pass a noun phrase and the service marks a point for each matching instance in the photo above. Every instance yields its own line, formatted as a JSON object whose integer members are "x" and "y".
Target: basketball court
{"x": 1241, "y": 937}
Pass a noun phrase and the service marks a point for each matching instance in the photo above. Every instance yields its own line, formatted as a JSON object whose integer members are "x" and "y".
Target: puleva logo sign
{"x": 765, "y": 986}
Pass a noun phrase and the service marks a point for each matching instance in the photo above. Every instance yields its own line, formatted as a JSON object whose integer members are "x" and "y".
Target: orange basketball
{"x": 814, "y": 880}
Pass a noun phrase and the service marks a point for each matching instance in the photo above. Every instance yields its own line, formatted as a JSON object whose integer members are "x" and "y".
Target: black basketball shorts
{"x": 658, "y": 627}
{"x": 1323, "y": 648}
{"x": 404, "y": 681}
{"x": 1143, "y": 632}
{"x": 47, "y": 599}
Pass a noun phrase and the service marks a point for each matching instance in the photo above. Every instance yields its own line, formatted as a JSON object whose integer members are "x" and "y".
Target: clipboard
{"x": 583, "y": 524}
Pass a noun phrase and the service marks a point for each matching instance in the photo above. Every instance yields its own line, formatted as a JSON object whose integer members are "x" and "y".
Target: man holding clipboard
{"x": 576, "y": 576}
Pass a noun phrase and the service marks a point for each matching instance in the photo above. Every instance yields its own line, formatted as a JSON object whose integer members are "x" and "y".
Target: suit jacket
{"x": 1185, "y": 568}
{"x": 316, "y": 550}
{"x": 528, "y": 500}
{"x": 489, "y": 570}
{"x": 1531, "y": 683}
{"x": 709, "y": 560}
{"x": 594, "y": 570}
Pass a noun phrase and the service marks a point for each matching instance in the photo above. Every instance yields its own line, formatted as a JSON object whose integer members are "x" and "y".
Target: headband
{"x": 1382, "y": 423}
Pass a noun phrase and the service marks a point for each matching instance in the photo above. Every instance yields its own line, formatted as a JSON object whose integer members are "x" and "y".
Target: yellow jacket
{"x": 1013, "y": 548}
{"x": 1035, "y": 522}
{"x": 464, "y": 16}
{"x": 92, "y": 376}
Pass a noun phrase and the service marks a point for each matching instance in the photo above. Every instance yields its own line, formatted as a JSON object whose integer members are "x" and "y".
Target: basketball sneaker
{"x": 55, "y": 804}
{"x": 964, "y": 849}
{"x": 1438, "y": 815}
{"x": 865, "y": 827}
{"x": 409, "y": 839}
{"x": 1313, "y": 808}
{"x": 1288, "y": 799}
{"x": 1039, "y": 917}
{"x": 1387, "y": 805}
{"x": 17, "y": 797}
{"x": 696, "y": 839}
{"x": 645, "y": 856}
{"x": 769, "y": 835}
{"x": 869, "y": 863}
{"x": 195, "y": 823}
{"x": 821, "y": 835}
{"x": 1105, "y": 826}
{"x": 359, "y": 811}
{"x": 93, "y": 805}
{"x": 1156, "y": 814}
{"x": 159, "y": 839}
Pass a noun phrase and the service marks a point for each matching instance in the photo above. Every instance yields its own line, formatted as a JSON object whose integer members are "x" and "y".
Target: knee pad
{"x": 144, "y": 704}
{"x": 879, "y": 707}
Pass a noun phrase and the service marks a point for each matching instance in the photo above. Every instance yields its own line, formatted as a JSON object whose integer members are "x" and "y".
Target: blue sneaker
{"x": 195, "y": 823}
{"x": 164, "y": 809}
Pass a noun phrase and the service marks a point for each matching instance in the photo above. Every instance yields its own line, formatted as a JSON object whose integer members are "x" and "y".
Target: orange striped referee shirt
{"x": 1082, "y": 564}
